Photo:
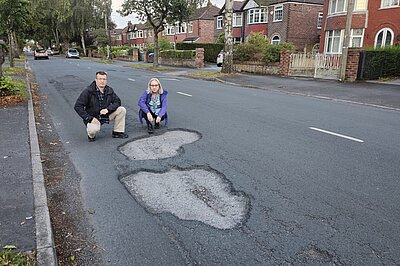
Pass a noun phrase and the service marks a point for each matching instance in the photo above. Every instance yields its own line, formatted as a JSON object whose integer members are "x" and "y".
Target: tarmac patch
{"x": 197, "y": 194}
{"x": 161, "y": 146}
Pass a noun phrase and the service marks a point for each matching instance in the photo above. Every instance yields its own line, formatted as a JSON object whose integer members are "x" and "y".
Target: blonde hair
{"x": 160, "y": 89}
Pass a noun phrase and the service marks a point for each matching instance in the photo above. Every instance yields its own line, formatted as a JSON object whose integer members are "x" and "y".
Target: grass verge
{"x": 208, "y": 74}
{"x": 150, "y": 67}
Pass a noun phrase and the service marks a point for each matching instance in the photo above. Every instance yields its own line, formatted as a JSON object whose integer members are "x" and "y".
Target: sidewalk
{"x": 24, "y": 216}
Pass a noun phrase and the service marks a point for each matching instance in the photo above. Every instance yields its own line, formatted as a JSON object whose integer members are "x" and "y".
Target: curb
{"x": 45, "y": 249}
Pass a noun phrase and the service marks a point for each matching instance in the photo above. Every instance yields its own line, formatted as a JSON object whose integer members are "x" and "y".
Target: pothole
{"x": 316, "y": 254}
{"x": 161, "y": 146}
{"x": 196, "y": 194}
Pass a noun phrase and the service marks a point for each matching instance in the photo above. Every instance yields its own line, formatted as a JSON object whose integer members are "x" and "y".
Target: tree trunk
{"x": 83, "y": 42}
{"x": 156, "y": 49}
{"x": 227, "y": 66}
{"x": 11, "y": 49}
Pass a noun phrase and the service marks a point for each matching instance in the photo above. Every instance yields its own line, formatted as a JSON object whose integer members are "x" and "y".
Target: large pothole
{"x": 196, "y": 194}
{"x": 158, "y": 146}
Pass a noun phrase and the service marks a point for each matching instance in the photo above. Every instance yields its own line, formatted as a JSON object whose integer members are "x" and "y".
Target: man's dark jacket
{"x": 87, "y": 105}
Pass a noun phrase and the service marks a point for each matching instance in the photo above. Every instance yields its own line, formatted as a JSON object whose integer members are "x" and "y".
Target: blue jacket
{"x": 146, "y": 98}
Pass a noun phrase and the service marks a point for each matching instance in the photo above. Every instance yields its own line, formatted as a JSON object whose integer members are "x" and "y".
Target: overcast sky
{"x": 123, "y": 21}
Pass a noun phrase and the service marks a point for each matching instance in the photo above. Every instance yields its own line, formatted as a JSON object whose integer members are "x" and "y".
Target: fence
{"x": 317, "y": 66}
{"x": 377, "y": 64}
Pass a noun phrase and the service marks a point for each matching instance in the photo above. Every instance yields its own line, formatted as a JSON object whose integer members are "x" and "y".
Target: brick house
{"x": 198, "y": 28}
{"x": 295, "y": 21}
{"x": 375, "y": 23}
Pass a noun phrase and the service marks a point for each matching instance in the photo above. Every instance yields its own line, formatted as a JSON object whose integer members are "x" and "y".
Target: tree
{"x": 13, "y": 16}
{"x": 227, "y": 66}
{"x": 158, "y": 13}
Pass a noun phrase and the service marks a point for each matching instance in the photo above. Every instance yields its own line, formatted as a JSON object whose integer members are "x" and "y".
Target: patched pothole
{"x": 196, "y": 194}
{"x": 161, "y": 146}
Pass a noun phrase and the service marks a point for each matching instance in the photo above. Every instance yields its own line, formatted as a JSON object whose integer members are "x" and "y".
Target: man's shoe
{"x": 150, "y": 128}
{"x": 120, "y": 135}
{"x": 157, "y": 125}
{"x": 91, "y": 139}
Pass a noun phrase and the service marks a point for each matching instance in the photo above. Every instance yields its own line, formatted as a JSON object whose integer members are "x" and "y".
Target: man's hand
{"x": 149, "y": 117}
{"x": 95, "y": 121}
{"x": 104, "y": 111}
{"x": 158, "y": 119}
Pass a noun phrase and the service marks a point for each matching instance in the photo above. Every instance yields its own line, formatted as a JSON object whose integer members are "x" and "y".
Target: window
{"x": 337, "y": 6}
{"x": 333, "y": 42}
{"x": 220, "y": 22}
{"x": 180, "y": 27}
{"x": 319, "y": 20}
{"x": 278, "y": 13}
{"x": 131, "y": 35}
{"x": 140, "y": 34}
{"x": 237, "y": 19}
{"x": 150, "y": 33}
{"x": 390, "y": 3}
{"x": 190, "y": 27}
{"x": 119, "y": 37}
{"x": 360, "y": 5}
{"x": 384, "y": 38}
{"x": 275, "y": 40}
{"x": 356, "y": 37}
{"x": 237, "y": 40}
{"x": 169, "y": 30}
{"x": 257, "y": 15}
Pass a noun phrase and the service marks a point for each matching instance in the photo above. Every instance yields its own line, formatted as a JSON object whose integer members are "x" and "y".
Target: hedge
{"x": 211, "y": 50}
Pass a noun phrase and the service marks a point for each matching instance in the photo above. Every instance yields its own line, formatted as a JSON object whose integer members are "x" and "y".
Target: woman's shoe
{"x": 150, "y": 128}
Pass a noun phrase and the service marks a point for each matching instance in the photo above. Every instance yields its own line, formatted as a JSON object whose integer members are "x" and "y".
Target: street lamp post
{"x": 346, "y": 41}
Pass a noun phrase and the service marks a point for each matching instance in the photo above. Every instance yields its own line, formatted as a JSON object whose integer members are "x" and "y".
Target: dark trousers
{"x": 144, "y": 115}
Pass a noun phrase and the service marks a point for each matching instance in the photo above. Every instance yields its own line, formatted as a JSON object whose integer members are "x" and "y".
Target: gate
{"x": 317, "y": 66}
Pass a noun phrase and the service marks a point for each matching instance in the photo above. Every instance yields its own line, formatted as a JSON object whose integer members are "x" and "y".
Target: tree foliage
{"x": 160, "y": 12}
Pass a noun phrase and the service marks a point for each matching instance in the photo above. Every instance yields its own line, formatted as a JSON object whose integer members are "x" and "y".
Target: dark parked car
{"x": 72, "y": 53}
{"x": 40, "y": 53}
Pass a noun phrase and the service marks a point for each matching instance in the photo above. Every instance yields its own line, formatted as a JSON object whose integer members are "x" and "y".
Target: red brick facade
{"x": 372, "y": 20}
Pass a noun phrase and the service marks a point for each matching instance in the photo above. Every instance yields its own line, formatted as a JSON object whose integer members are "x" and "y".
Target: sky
{"x": 123, "y": 21}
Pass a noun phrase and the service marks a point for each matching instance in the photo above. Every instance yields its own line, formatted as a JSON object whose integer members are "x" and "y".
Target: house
{"x": 375, "y": 23}
{"x": 198, "y": 28}
{"x": 295, "y": 21}
{"x": 116, "y": 37}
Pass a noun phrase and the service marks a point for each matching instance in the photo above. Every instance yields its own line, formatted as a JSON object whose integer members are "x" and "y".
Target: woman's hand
{"x": 149, "y": 117}
{"x": 158, "y": 119}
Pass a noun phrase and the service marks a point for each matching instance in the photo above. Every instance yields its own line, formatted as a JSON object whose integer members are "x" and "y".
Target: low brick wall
{"x": 197, "y": 62}
{"x": 257, "y": 68}
{"x": 178, "y": 62}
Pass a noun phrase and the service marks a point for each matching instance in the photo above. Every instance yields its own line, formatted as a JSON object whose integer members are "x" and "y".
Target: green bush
{"x": 272, "y": 53}
{"x": 9, "y": 86}
{"x": 183, "y": 54}
{"x": 247, "y": 52}
{"x": 382, "y": 62}
{"x": 211, "y": 50}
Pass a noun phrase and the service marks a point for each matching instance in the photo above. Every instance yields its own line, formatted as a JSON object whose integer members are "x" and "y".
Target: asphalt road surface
{"x": 282, "y": 179}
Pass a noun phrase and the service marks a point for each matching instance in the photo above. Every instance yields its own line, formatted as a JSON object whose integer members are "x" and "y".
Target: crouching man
{"x": 97, "y": 105}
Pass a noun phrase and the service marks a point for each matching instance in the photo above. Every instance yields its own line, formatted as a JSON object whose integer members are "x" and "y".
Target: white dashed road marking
{"x": 336, "y": 134}
{"x": 182, "y": 93}
{"x": 131, "y": 79}
{"x": 172, "y": 79}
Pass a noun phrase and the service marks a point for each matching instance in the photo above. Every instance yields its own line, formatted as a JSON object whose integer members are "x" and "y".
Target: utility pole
{"x": 346, "y": 41}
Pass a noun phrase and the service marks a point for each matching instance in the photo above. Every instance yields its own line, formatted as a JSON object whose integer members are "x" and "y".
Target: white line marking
{"x": 172, "y": 79}
{"x": 131, "y": 79}
{"x": 184, "y": 94}
{"x": 89, "y": 68}
{"x": 335, "y": 134}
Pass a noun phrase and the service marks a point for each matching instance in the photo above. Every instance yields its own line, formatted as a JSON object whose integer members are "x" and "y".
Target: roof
{"x": 273, "y": 2}
{"x": 237, "y": 6}
{"x": 205, "y": 13}
{"x": 191, "y": 39}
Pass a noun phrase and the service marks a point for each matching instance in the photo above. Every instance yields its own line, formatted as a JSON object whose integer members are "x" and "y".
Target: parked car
{"x": 72, "y": 53}
{"x": 220, "y": 59}
{"x": 49, "y": 52}
{"x": 40, "y": 53}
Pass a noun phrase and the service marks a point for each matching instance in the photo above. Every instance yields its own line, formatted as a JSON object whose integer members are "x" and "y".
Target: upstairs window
{"x": 257, "y": 15}
{"x": 390, "y": 3}
{"x": 384, "y": 38}
{"x": 237, "y": 19}
{"x": 190, "y": 27}
{"x": 278, "y": 13}
{"x": 319, "y": 20}
{"x": 337, "y": 6}
{"x": 140, "y": 34}
{"x": 360, "y": 5}
{"x": 220, "y": 22}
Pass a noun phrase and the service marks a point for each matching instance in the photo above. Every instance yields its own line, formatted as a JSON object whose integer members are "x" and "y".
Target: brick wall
{"x": 284, "y": 63}
{"x": 302, "y": 25}
{"x": 353, "y": 58}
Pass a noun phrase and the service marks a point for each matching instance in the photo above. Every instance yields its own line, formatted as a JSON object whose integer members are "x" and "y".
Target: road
{"x": 261, "y": 177}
